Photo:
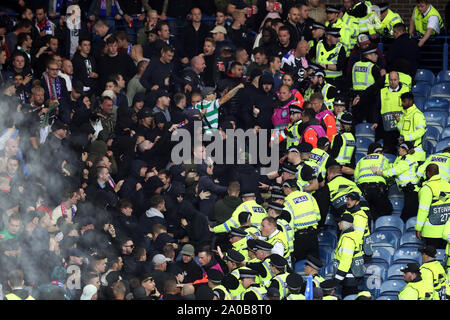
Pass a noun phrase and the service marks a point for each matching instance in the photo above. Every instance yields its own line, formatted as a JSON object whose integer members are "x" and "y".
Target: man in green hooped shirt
{"x": 209, "y": 107}
{"x": 12, "y": 230}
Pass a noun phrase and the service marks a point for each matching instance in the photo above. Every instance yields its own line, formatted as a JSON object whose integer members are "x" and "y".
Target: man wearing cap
{"x": 328, "y": 287}
{"x": 348, "y": 257}
{"x": 253, "y": 290}
{"x": 317, "y": 32}
{"x": 425, "y": 21}
{"x": 432, "y": 271}
{"x": 442, "y": 159}
{"x": 235, "y": 261}
{"x": 295, "y": 286}
{"x": 307, "y": 172}
{"x": 411, "y": 125}
{"x": 238, "y": 239}
{"x": 388, "y": 20}
{"x": 187, "y": 264}
{"x": 434, "y": 206}
{"x": 320, "y": 155}
{"x": 339, "y": 108}
{"x": 349, "y": 29}
{"x": 366, "y": 72}
{"x": 284, "y": 222}
{"x": 343, "y": 144}
{"x": 279, "y": 267}
{"x": 312, "y": 267}
{"x": 416, "y": 288}
{"x": 219, "y": 35}
{"x": 404, "y": 169}
{"x": 215, "y": 278}
{"x": 330, "y": 55}
{"x": 360, "y": 221}
{"x": 305, "y": 216}
{"x": 374, "y": 187}
{"x": 248, "y": 204}
{"x": 263, "y": 252}
{"x": 290, "y": 133}
{"x": 366, "y": 19}
{"x": 209, "y": 107}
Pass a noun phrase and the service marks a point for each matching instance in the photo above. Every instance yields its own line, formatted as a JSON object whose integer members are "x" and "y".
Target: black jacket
{"x": 403, "y": 51}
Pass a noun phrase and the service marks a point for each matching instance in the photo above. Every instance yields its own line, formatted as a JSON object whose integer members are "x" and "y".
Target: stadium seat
{"x": 445, "y": 133}
{"x": 350, "y": 297}
{"x": 381, "y": 254}
{"x": 424, "y": 75}
{"x": 327, "y": 270}
{"x": 362, "y": 144}
{"x": 440, "y": 90}
{"x": 390, "y": 223}
{"x": 443, "y": 76}
{"x": 299, "y": 266}
{"x": 420, "y": 101}
{"x": 326, "y": 253}
{"x": 436, "y": 118}
{"x": 327, "y": 238}
{"x": 384, "y": 239}
{"x": 429, "y": 145}
{"x": 391, "y": 287}
{"x": 359, "y": 156}
{"x": 395, "y": 193}
{"x": 436, "y": 104}
{"x": 397, "y": 205}
{"x": 388, "y": 298}
{"x": 378, "y": 271}
{"x": 409, "y": 239}
{"x": 363, "y": 130}
{"x": 410, "y": 223}
{"x": 394, "y": 272}
{"x": 407, "y": 255}
{"x": 434, "y": 132}
{"x": 421, "y": 89}
{"x": 440, "y": 256}
{"x": 390, "y": 157}
{"x": 441, "y": 145}
{"x": 330, "y": 221}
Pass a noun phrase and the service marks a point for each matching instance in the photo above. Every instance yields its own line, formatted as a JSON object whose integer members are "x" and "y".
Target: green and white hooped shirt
{"x": 211, "y": 116}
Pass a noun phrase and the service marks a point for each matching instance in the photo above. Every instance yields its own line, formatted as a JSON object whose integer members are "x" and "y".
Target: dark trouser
{"x": 305, "y": 243}
{"x": 411, "y": 204}
{"x": 438, "y": 243}
{"x": 390, "y": 138}
{"x": 377, "y": 196}
{"x": 322, "y": 197}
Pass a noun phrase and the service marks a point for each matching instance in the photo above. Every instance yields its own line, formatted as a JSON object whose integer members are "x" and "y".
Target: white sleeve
{"x": 278, "y": 248}
{"x": 433, "y": 22}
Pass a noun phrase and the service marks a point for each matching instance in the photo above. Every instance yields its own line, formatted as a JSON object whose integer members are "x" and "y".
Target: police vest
{"x": 257, "y": 211}
{"x": 419, "y": 290}
{"x": 282, "y": 285}
{"x": 293, "y": 137}
{"x": 391, "y": 104}
{"x": 12, "y": 296}
{"x": 328, "y": 57}
{"x": 363, "y": 171}
{"x": 295, "y": 296}
{"x": 328, "y": 102}
{"x": 362, "y": 77}
{"x": 281, "y": 237}
{"x": 360, "y": 224}
{"x": 303, "y": 208}
{"x": 348, "y": 256}
{"x": 412, "y": 126}
{"x": 442, "y": 160}
{"x": 387, "y": 25}
{"x": 320, "y": 157}
{"x": 330, "y": 298}
{"x": 314, "y": 166}
{"x": 302, "y": 184}
{"x": 227, "y": 294}
{"x": 339, "y": 188}
{"x": 265, "y": 280}
{"x": 434, "y": 207}
{"x": 260, "y": 292}
{"x": 288, "y": 230}
{"x": 421, "y": 22}
{"x": 404, "y": 169}
{"x": 240, "y": 289}
{"x": 241, "y": 246}
{"x": 347, "y": 149}
{"x": 317, "y": 280}
{"x": 434, "y": 272}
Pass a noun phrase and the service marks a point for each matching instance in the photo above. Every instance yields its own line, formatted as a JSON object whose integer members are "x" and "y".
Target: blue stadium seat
{"x": 429, "y": 145}
{"x": 388, "y": 298}
{"x": 436, "y": 118}
{"x": 420, "y": 101}
{"x": 362, "y": 143}
{"x": 299, "y": 266}
{"x": 397, "y": 205}
{"x": 359, "y": 156}
{"x": 443, "y": 76}
{"x": 394, "y": 272}
{"x": 330, "y": 221}
{"x": 440, "y": 256}
{"x": 390, "y": 157}
{"x": 424, "y": 75}
{"x": 440, "y": 90}
{"x": 350, "y": 297}
{"x": 441, "y": 145}
{"x": 395, "y": 193}
{"x": 385, "y": 239}
{"x": 390, "y": 223}
{"x": 326, "y": 253}
{"x": 391, "y": 287}
{"x": 434, "y": 132}
{"x": 407, "y": 255}
{"x": 328, "y": 238}
{"x": 445, "y": 133}
{"x": 410, "y": 223}
{"x": 409, "y": 239}
{"x": 421, "y": 89}
{"x": 363, "y": 130}
{"x": 435, "y": 104}
{"x": 327, "y": 270}
{"x": 381, "y": 254}
{"x": 378, "y": 271}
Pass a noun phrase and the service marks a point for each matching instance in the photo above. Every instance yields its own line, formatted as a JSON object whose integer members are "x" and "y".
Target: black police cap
{"x": 214, "y": 275}
{"x": 235, "y": 256}
{"x": 237, "y": 232}
{"x": 294, "y": 281}
{"x": 278, "y": 261}
{"x": 314, "y": 262}
{"x": 263, "y": 245}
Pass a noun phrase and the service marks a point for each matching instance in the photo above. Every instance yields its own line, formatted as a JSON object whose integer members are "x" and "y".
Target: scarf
{"x": 103, "y": 9}
{"x": 45, "y": 25}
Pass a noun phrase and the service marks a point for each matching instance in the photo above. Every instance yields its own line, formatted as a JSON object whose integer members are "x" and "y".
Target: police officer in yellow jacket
{"x": 279, "y": 267}
{"x": 374, "y": 187}
{"x": 426, "y": 21}
{"x": 411, "y": 124}
{"x": 348, "y": 257}
{"x": 388, "y": 20}
{"x": 285, "y": 223}
{"x": 234, "y": 261}
{"x": 416, "y": 288}
{"x": 434, "y": 208}
{"x": 432, "y": 271}
{"x": 16, "y": 282}
{"x": 295, "y": 286}
{"x": 343, "y": 145}
{"x": 263, "y": 252}
{"x": 306, "y": 215}
{"x": 312, "y": 267}
{"x": 361, "y": 221}
{"x": 238, "y": 239}
{"x": 348, "y": 30}
{"x": 253, "y": 290}
{"x": 442, "y": 159}
{"x": 248, "y": 204}
{"x": 366, "y": 72}
{"x": 328, "y": 288}
{"x": 215, "y": 278}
